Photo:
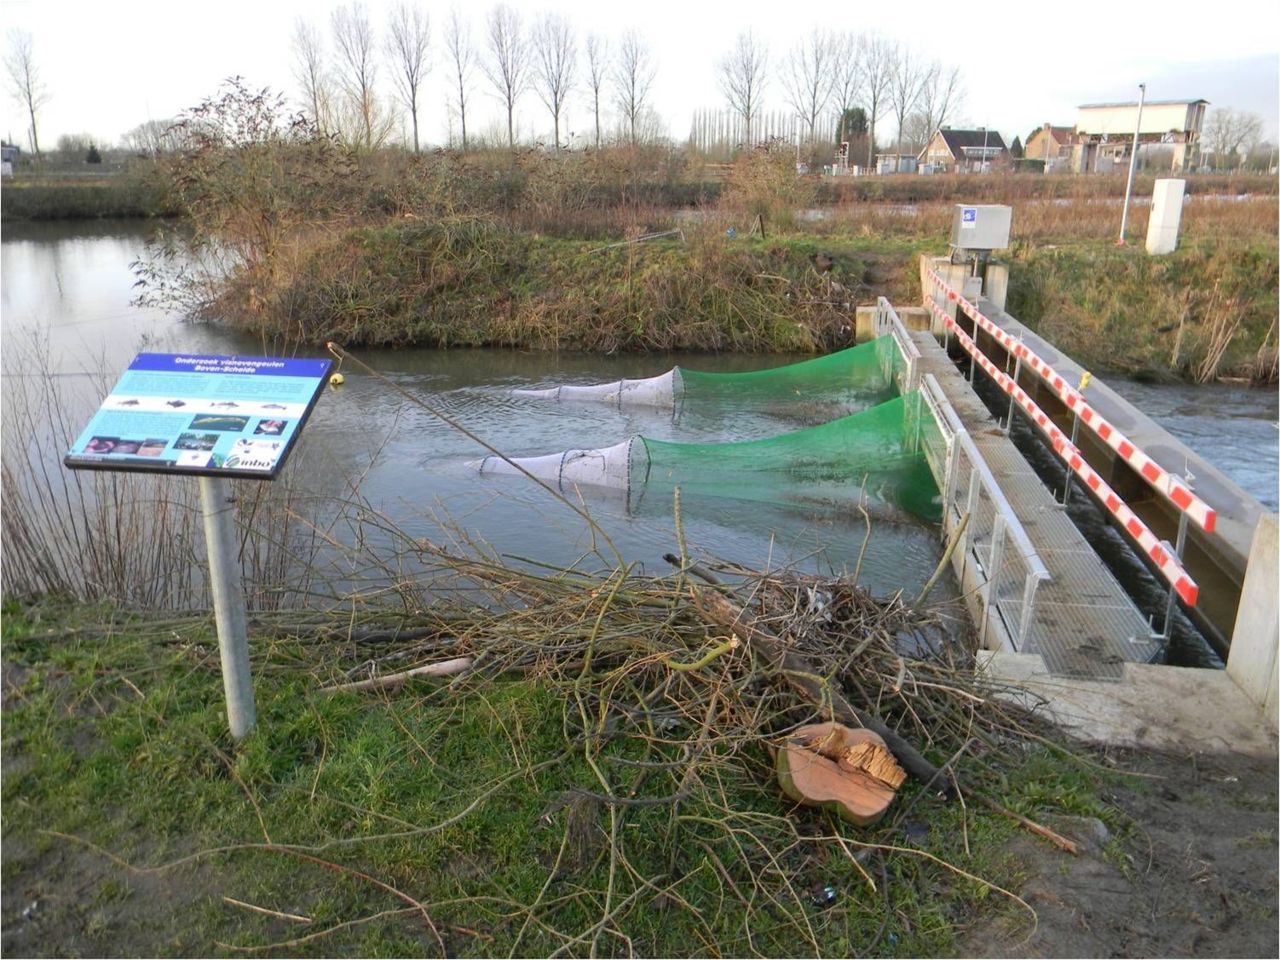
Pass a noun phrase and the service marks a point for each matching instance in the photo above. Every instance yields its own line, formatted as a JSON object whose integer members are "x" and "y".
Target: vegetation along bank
{"x": 297, "y": 238}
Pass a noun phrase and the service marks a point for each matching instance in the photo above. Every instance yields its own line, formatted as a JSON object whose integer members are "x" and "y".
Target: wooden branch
{"x": 445, "y": 668}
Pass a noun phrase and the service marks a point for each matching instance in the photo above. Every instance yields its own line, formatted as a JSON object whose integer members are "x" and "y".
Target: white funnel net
{"x": 608, "y": 467}
{"x": 661, "y": 391}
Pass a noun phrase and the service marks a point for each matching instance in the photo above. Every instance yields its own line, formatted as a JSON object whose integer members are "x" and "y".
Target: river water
{"x": 71, "y": 286}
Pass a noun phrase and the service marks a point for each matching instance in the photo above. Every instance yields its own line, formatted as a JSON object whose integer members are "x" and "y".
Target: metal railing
{"x": 888, "y": 323}
{"x": 993, "y": 539}
{"x": 1175, "y": 489}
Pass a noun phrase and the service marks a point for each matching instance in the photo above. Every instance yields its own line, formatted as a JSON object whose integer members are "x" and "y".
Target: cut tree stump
{"x": 849, "y": 770}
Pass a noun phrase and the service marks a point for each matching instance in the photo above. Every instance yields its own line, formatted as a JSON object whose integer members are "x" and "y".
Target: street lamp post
{"x": 1133, "y": 165}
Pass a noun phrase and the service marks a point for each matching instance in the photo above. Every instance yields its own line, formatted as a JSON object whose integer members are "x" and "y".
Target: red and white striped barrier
{"x": 1159, "y": 478}
{"x": 1166, "y": 560}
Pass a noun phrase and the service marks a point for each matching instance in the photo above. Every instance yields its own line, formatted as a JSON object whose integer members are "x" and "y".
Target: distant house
{"x": 963, "y": 151}
{"x": 1050, "y": 144}
{"x": 8, "y": 157}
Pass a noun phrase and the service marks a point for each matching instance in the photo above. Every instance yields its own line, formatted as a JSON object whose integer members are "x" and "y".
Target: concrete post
{"x": 1166, "y": 216}
{"x": 218, "y": 507}
{"x": 1252, "y": 662}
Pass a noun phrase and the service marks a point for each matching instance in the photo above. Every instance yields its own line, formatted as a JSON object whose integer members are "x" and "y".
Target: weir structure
{"x": 1050, "y": 614}
{"x": 1047, "y": 608}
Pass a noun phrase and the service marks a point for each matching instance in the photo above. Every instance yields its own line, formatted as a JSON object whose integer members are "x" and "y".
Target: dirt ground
{"x": 1196, "y": 878}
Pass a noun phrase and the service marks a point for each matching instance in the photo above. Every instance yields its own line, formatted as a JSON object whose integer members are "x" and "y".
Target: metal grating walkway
{"x": 1084, "y": 625}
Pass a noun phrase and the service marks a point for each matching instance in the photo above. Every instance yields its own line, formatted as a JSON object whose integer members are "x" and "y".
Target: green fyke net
{"x": 878, "y": 453}
{"x": 862, "y": 374}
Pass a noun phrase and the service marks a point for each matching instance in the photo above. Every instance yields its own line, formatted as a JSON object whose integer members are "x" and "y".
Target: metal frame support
{"x": 1167, "y": 632}
{"x": 1017, "y": 369}
{"x": 1066, "y": 482}
{"x": 218, "y": 507}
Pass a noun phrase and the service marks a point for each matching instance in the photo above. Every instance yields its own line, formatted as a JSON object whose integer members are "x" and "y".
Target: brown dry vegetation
{"x": 541, "y": 250}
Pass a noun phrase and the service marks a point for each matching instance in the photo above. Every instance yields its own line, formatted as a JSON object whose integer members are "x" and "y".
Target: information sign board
{"x": 202, "y": 415}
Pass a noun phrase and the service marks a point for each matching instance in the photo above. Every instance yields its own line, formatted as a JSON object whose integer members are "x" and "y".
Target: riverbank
{"x": 649, "y": 249}
{"x": 122, "y": 196}
{"x": 1206, "y": 311}
{"x": 464, "y": 817}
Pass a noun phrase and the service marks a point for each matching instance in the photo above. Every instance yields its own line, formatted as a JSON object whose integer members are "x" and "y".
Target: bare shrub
{"x": 763, "y": 182}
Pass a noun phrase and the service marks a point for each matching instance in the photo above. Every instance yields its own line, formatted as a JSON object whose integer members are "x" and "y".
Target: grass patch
{"x": 459, "y": 818}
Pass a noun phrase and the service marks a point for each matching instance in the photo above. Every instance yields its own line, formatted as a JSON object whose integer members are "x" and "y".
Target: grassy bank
{"x": 111, "y": 197}
{"x": 539, "y": 250}
{"x": 466, "y": 817}
{"x": 1208, "y": 309}
{"x": 478, "y": 282}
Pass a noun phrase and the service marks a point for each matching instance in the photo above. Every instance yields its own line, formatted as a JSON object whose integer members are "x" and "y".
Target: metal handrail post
{"x": 1066, "y": 483}
{"x": 1173, "y": 594}
{"x": 1028, "y": 604}
{"x": 1017, "y": 369}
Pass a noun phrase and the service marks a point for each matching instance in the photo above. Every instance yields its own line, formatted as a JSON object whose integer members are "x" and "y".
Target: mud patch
{"x": 1194, "y": 876}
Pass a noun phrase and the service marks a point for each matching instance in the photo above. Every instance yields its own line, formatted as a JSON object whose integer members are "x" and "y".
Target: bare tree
{"x": 906, "y": 79}
{"x": 940, "y": 95}
{"x": 310, "y": 73}
{"x": 508, "y": 64}
{"x": 846, "y": 78}
{"x": 407, "y": 44}
{"x": 1227, "y": 132}
{"x": 555, "y": 61}
{"x": 810, "y": 76}
{"x": 457, "y": 41}
{"x": 877, "y": 59}
{"x": 743, "y": 75}
{"x": 153, "y": 138}
{"x": 366, "y": 123}
{"x": 632, "y": 76}
{"x": 24, "y": 80}
{"x": 597, "y": 56}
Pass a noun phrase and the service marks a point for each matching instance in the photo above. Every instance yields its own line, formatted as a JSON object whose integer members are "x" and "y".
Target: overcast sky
{"x": 110, "y": 66}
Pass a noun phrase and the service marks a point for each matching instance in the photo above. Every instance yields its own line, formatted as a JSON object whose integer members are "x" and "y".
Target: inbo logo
{"x": 248, "y": 463}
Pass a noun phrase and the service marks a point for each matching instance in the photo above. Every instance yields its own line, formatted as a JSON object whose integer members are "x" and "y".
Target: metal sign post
{"x": 218, "y": 506}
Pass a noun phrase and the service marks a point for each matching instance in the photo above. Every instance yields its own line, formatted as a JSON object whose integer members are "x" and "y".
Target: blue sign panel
{"x": 198, "y": 414}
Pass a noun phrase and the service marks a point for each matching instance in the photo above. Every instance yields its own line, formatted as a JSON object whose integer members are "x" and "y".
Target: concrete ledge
{"x": 913, "y": 318}
{"x": 1154, "y": 706}
{"x": 1253, "y": 662}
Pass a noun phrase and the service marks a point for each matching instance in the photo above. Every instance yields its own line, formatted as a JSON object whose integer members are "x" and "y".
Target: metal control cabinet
{"x": 981, "y": 226}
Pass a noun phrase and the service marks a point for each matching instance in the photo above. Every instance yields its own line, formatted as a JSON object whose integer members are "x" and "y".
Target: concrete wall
{"x": 1253, "y": 663}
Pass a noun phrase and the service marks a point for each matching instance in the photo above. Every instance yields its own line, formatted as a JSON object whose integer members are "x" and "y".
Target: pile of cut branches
{"x": 678, "y": 690}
